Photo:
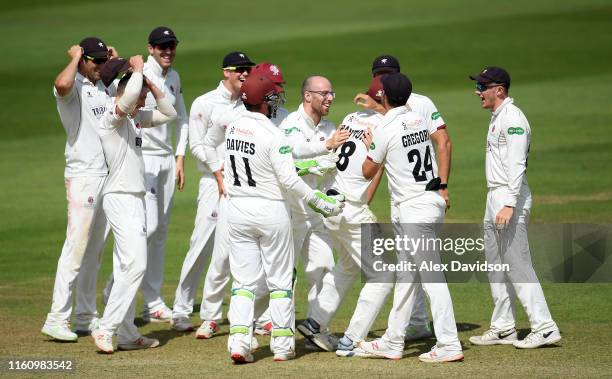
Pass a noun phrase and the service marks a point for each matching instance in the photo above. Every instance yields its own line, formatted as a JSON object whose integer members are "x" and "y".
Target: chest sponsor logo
{"x": 291, "y": 130}
{"x": 138, "y": 142}
{"x": 516, "y": 130}
{"x": 98, "y": 111}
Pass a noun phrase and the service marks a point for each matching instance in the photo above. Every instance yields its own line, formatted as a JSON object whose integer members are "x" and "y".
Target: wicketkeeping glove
{"x": 318, "y": 166}
{"x": 326, "y": 205}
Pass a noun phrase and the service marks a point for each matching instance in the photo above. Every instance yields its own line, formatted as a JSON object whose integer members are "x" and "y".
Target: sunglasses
{"x": 325, "y": 94}
{"x": 481, "y": 87}
{"x": 166, "y": 45}
{"x": 239, "y": 69}
{"x": 95, "y": 60}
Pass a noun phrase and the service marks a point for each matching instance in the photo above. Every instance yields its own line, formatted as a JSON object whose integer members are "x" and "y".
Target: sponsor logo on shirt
{"x": 138, "y": 142}
{"x": 291, "y": 130}
{"x": 517, "y": 130}
{"x": 372, "y": 146}
{"x": 435, "y": 115}
{"x": 285, "y": 149}
{"x": 98, "y": 111}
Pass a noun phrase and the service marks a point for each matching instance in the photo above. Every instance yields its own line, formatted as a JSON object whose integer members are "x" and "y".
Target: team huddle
{"x": 276, "y": 187}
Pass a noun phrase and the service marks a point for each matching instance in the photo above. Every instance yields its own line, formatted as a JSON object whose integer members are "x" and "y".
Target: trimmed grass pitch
{"x": 558, "y": 54}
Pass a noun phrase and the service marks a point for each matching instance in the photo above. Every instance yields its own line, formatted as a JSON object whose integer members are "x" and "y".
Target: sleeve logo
{"x": 372, "y": 146}
{"x": 285, "y": 149}
{"x": 518, "y": 131}
{"x": 435, "y": 115}
{"x": 291, "y": 130}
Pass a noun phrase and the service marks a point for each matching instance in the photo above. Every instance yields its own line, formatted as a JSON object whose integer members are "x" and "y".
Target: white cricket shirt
{"x": 401, "y": 142}
{"x": 80, "y": 111}
{"x": 158, "y": 140}
{"x": 507, "y": 149}
{"x": 426, "y": 108}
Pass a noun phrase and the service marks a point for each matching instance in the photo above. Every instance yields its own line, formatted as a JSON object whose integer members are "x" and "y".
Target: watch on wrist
{"x": 443, "y": 186}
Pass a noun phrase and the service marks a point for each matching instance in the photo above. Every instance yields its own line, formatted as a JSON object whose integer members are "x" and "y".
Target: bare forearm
{"x": 444, "y": 161}
{"x": 65, "y": 79}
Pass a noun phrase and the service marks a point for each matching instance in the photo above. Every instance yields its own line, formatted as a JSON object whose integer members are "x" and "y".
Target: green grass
{"x": 557, "y": 52}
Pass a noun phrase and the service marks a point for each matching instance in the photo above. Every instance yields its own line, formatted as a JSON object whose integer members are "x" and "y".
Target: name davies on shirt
{"x": 240, "y": 146}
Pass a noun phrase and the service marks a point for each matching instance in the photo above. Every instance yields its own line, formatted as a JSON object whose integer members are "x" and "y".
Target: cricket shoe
{"x": 241, "y": 355}
{"x": 207, "y": 330}
{"x": 103, "y": 340}
{"x": 162, "y": 315}
{"x": 534, "y": 340}
{"x": 311, "y": 330}
{"x": 84, "y": 330}
{"x": 139, "y": 344}
{"x": 285, "y": 356}
{"x": 417, "y": 332}
{"x": 59, "y": 332}
{"x": 182, "y": 324}
{"x": 436, "y": 355}
{"x": 349, "y": 348}
{"x": 263, "y": 329}
{"x": 379, "y": 348}
{"x": 491, "y": 337}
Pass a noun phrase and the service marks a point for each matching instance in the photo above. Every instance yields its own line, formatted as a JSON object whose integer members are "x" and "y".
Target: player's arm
{"x": 374, "y": 184}
{"x": 182, "y": 133}
{"x": 366, "y": 102}
{"x": 303, "y": 149}
{"x": 444, "y": 147}
{"x": 376, "y": 154}
{"x": 164, "y": 113}
{"x": 214, "y": 137}
{"x": 64, "y": 82}
{"x": 127, "y": 102}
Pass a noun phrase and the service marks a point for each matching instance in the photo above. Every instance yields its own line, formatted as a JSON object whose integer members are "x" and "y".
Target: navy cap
{"x": 493, "y": 74}
{"x": 236, "y": 59}
{"x": 112, "y": 68}
{"x": 397, "y": 88}
{"x": 385, "y": 64}
{"x": 161, "y": 34}
{"x": 94, "y": 47}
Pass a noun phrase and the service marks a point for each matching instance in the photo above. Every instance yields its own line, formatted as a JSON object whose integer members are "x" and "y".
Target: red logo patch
{"x": 137, "y": 125}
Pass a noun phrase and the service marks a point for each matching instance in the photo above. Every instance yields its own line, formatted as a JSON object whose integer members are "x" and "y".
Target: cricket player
{"x": 260, "y": 171}
{"x": 345, "y": 229}
{"x": 419, "y": 321}
{"x": 211, "y": 212}
{"x": 311, "y": 136}
{"x": 162, "y": 169}
{"x": 402, "y": 143}
{"x": 506, "y": 219}
{"x": 120, "y": 131}
{"x": 81, "y": 99}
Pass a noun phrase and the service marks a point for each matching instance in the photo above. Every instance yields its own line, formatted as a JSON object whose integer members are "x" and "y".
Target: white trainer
{"x": 349, "y": 348}
{"x": 182, "y": 324}
{"x": 417, "y": 332}
{"x": 534, "y": 340}
{"x": 138, "y": 344}
{"x": 379, "y": 348}
{"x": 436, "y": 355}
{"x": 241, "y": 355}
{"x": 207, "y": 330}
{"x": 162, "y": 315}
{"x": 285, "y": 356}
{"x": 491, "y": 337}
{"x": 103, "y": 341}
{"x": 59, "y": 332}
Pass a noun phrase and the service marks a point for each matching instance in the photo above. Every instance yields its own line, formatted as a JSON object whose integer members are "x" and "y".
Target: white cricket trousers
{"x": 126, "y": 216}
{"x": 211, "y": 214}
{"x": 314, "y": 245}
{"x": 419, "y": 219}
{"x": 160, "y": 177}
{"x": 510, "y": 245}
{"x": 346, "y": 238}
{"x": 81, "y": 254}
{"x": 261, "y": 262}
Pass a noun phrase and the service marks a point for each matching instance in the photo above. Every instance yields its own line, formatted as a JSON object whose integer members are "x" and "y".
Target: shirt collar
{"x": 256, "y": 115}
{"x": 225, "y": 93}
{"x": 507, "y": 100}
{"x": 393, "y": 113}
{"x": 84, "y": 79}
{"x": 154, "y": 67}
{"x": 309, "y": 120}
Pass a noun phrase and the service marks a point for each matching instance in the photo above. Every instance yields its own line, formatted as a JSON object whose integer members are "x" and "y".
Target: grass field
{"x": 556, "y": 52}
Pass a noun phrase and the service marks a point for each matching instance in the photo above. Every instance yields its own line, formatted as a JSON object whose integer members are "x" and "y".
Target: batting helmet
{"x": 376, "y": 89}
{"x": 257, "y": 89}
{"x": 272, "y": 72}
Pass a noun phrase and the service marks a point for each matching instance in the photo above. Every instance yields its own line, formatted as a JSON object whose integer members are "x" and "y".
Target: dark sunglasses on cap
{"x": 95, "y": 60}
{"x": 166, "y": 45}
{"x": 481, "y": 87}
{"x": 239, "y": 69}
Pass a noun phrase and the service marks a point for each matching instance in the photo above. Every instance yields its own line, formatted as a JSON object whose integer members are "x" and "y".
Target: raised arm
{"x": 64, "y": 82}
